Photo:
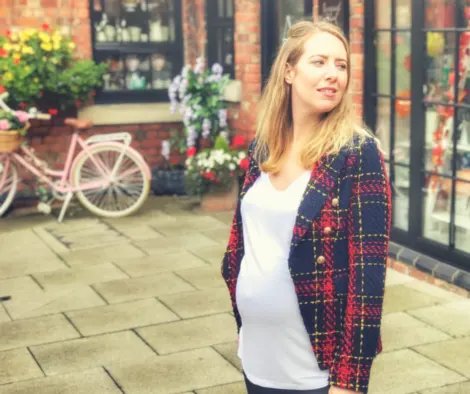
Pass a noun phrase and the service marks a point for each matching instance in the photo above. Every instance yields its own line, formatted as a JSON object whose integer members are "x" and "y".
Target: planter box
{"x": 219, "y": 201}
{"x": 168, "y": 182}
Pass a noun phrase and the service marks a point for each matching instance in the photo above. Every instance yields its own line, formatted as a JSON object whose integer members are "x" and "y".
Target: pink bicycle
{"x": 108, "y": 176}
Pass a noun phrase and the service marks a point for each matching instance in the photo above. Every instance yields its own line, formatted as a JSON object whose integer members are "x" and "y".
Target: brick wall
{"x": 194, "y": 29}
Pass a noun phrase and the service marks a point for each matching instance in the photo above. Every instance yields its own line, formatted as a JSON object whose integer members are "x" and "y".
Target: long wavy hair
{"x": 274, "y": 131}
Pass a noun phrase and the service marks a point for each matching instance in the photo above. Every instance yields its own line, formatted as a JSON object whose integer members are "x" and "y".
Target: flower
{"x": 22, "y": 116}
{"x": 238, "y": 141}
{"x": 244, "y": 164}
{"x": 217, "y": 69}
{"x": 166, "y": 149}
{"x": 223, "y": 117}
{"x": 4, "y": 124}
{"x": 45, "y": 26}
{"x": 2, "y": 89}
{"x": 3, "y": 52}
{"x": 53, "y": 111}
{"x": 191, "y": 151}
{"x": 47, "y": 46}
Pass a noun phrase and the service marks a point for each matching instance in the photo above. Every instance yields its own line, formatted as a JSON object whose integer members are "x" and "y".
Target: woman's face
{"x": 320, "y": 77}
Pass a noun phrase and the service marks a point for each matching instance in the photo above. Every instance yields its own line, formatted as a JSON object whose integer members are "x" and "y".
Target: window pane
{"x": 288, "y": 12}
{"x": 383, "y": 125}
{"x": 229, "y": 8}
{"x": 161, "y": 71}
{"x": 436, "y": 209}
{"x": 383, "y": 14}
{"x": 440, "y": 13}
{"x": 403, "y": 64}
{"x": 161, "y": 20}
{"x": 383, "y": 50}
{"x": 220, "y": 8}
{"x": 401, "y": 201}
{"x": 403, "y": 14}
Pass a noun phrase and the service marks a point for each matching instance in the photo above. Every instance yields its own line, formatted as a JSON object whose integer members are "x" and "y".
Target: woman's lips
{"x": 327, "y": 92}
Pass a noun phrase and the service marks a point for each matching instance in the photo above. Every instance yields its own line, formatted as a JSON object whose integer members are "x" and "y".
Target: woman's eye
{"x": 318, "y": 62}
{"x": 342, "y": 66}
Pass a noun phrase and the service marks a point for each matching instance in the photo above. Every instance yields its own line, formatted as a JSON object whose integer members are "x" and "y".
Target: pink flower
{"x": 4, "y": 124}
{"x": 22, "y": 116}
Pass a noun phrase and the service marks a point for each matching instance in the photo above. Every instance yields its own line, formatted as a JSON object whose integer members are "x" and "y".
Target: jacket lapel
{"x": 322, "y": 181}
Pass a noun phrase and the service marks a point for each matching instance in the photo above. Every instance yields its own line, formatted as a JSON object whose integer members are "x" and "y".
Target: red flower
{"x": 244, "y": 164}
{"x": 3, "y": 53}
{"x": 8, "y": 33}
{"x": 23, "y": 105}
{"x": 16, "y": 61}
{"x": 238, "y": 141}
{"x": 78, "y": 103}
{"x": 53, "y": 111}
{"x": 2, "y": 89}
{"x": 191, "y": 151}
{"x": 45, "y": 26}
{"x": 174, "y": 161}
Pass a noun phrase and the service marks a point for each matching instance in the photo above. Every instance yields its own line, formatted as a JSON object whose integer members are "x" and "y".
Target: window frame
{"x": 173, "y": 50}
{"x": 213, "y": 23}
{"x": 414, "y": 236}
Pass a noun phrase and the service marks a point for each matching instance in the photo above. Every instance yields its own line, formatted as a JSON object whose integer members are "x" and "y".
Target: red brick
{"x": 418, "y": 274}
{"x": 401, "y": 267}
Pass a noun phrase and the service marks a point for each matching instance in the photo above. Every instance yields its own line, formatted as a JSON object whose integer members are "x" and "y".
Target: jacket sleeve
{"x": 369, "y": 222}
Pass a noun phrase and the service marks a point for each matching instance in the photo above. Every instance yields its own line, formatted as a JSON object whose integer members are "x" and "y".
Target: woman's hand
{"x": 337, "y": 390}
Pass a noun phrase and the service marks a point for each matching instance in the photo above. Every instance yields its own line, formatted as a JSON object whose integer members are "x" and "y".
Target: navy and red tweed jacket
{"x": 337, "y": 259}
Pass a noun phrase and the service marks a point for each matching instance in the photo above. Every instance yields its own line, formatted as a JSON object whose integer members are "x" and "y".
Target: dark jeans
{"x": 254, "y": 389}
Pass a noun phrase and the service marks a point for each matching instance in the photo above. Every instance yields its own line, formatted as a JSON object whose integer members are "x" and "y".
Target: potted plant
{"x": 198, "y": 94}
{"x": 213, "y": 174}
{"x": 40, "y": 71}
{"x": 168, "y": 178}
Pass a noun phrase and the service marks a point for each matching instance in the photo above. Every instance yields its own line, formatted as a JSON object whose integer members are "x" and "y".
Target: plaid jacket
{"x": 337, "y": 259}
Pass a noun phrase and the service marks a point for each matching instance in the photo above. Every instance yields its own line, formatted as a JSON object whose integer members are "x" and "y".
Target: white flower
{"x": 241, "y": 155}
{"x": 232, "y": 167}
{"x": 166, "y": 149}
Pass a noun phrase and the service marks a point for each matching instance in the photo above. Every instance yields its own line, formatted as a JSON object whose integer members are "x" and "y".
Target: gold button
{"x": 335, "y": 202}
{"x": 321, "y": 259}
{"x": 327, "y": 230}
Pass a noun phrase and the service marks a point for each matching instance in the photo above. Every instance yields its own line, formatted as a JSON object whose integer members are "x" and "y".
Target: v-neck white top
{"x": 274, "y": 347}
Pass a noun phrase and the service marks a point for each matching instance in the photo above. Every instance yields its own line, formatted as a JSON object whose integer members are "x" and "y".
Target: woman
{"x": 306, "y": 260}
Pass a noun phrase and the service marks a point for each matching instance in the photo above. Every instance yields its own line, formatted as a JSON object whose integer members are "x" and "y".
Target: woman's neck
{"x": 303, "y": 124}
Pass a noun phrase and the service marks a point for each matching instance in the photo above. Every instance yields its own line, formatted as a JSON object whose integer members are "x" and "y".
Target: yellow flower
{"x": 36, "y": 80}
{"x": 44, "y": 37}
{"x": 27, "y": 69}
{"x": 54, "y": 60}
{"x": 28, "y": 50}
{"x": 46, "y": 46}
{"x": 8, "y": 77}
{"x": 44, "y": 58}
{"x": 16, "y": 47}
{"x": 7, "y": 47}
{"x": 14, "y": 36}
{"x": 17, "y": 57}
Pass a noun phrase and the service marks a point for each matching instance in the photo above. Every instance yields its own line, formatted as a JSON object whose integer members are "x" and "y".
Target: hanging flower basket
{"x": 10, "y": 140}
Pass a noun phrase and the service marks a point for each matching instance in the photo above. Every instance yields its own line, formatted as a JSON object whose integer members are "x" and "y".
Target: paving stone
{"x": 190, "y": 224}
{"x": 402, "y": 298}
{"x": 73, "y": 225}
{"x": 103, "y": 254}
{"x": 212, "y": 254}
{"x": 198, "y": 303}
{"x": 190, "y": 334}
{"x": 175, "y": 373}
{"x": 454, "y": 354}
{"x": 4, "y": 315}
{"x": 234, "y": 388}
{"x": 225, "y": 217}
{"x": 79, "y": 276}
{"x": 405, "y": 371}
{"x": 95, "y": 381}
{"x": 137, "y": 231}
{"x": 35, "y": 331}
{"x": 394, "y": 278}
{"x": 156, "y": 264}
{"x": 219, "y": 235}
{"x": 452, "y": 318}
{"x": 181, "y": 242}
{"x": 230, "y": 352}
{"x": 204, "y": 277}
{"x": 18, "y": 364}
{"x": 86, "y": 353}
{"x": 143, "y": 287}
{"x": 54, "y": 301}
{"x": 434, "y": 291}
{"x": 460, "y": 388}
{"x": 121, "y": 316}
{"x": 400, "y": 330}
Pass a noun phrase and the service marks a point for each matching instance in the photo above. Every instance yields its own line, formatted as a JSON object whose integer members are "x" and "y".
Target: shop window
{"x": 220, "y": 33}
{"x": 141, "y": 42}
{"x": 417, "y": 100}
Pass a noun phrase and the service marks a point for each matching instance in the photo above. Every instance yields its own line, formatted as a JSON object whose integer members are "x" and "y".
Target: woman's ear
{"x": 289, "y": 74}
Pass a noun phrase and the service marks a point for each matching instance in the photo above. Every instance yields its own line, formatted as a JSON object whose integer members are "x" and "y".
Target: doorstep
{"x": 426, "y": 268}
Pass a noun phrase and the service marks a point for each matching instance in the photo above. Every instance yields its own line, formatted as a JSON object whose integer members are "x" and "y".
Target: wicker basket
{"x": 10, "y": 140}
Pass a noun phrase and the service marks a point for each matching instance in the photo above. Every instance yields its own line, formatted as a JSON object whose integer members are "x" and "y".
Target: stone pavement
{"x": 137, "y": 305}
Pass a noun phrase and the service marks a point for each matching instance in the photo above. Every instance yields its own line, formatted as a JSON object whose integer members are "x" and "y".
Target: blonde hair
{"x": 336, "y": 129}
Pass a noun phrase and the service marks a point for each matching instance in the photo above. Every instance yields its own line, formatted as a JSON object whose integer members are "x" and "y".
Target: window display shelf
{"x": 462, "y": 221}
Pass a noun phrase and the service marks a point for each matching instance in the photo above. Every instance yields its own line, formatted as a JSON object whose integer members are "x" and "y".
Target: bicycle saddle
{"x": 79, "y": 124}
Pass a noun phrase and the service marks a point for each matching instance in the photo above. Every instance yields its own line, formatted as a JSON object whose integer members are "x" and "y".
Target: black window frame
{"x": 414, "y": 237}
{"x": 173, "y": 49}
{"x": 214, "y": 23}
{"x": 269, "y": 34}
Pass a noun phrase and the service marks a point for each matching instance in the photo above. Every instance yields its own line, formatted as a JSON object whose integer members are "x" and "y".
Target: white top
{"x": 274, "y": 347}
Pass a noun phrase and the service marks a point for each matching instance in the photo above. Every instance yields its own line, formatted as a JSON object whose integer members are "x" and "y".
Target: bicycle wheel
{"x": 113, "y": 198}
{"x": 8, "y": 173}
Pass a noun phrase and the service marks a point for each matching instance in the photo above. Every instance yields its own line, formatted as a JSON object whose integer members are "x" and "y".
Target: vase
{"x": 220, "y": 200}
